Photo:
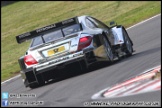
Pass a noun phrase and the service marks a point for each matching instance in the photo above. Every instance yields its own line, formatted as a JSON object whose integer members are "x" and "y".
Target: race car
{"x": 81, "y": 40}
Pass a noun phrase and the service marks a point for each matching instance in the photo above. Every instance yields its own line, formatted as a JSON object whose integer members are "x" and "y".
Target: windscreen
{"x": 55, "y": 35}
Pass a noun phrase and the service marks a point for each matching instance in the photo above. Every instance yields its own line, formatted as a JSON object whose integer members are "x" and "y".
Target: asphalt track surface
{"x": 74, "y": 90}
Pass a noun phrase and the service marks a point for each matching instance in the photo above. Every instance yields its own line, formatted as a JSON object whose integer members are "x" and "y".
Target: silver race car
{"x": 80, "y": 41}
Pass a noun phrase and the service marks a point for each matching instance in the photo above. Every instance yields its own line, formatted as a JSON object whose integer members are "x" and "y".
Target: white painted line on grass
{"x": 126, "y": 29}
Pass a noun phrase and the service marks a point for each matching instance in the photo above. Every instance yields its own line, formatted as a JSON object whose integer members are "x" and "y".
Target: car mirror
{"x": 112, "y": 24}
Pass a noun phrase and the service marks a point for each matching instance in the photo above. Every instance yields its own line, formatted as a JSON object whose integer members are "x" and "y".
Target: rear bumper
{"x": 66, "y": 59}
{"x": 30, "y": 74}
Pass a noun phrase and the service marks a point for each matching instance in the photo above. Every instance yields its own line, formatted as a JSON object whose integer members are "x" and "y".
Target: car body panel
{"x": 58, "y": 53}
{"x": 118, "y": 35}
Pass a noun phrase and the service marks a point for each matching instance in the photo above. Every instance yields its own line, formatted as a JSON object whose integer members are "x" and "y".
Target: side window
{"x": 71, "y": 29}
{"x": 90, "y": 24}
{"x": 98, "y": 23}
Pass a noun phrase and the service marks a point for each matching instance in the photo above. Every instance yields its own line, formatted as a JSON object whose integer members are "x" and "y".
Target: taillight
{"x": 84, "y": 42}
{"x": 29, "y": 60}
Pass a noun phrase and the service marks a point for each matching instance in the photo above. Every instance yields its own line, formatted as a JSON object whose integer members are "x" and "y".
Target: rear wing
{"x": 29, "y": 35}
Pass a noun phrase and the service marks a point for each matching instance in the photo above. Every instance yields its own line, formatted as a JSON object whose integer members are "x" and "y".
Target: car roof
{"x": 80, "y": 18}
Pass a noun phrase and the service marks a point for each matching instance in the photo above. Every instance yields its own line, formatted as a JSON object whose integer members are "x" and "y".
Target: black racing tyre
{"x": 108, "y": 50}
{"x": 127, "y": 44}
{"x": 21, "y": 63}
{"x": 26, "y": 83}
{"x": 33, "y": 85}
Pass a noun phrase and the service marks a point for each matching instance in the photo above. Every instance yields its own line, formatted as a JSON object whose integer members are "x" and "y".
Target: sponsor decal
{"x": 45, "y": 28}
{"x": 67, "y": 21}
{"x": 74, "y": 45}
{"x": 24, "y": 35}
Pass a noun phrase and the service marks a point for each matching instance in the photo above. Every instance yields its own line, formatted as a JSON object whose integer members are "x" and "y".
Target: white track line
{"x": 11, "y": 79}
{"x": 126, "y": 29}
{"x": 143, "y": 21}
{"x": 135, "y": 78}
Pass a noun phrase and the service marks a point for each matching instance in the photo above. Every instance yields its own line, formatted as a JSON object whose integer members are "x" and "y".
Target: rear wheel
{"x": 108, "y": 49}
{"x": 33, "y": 85}
{"x": 128, "y": 44}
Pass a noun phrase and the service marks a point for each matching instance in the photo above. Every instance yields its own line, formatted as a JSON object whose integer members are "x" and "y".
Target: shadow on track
{"x": 74, "y": 70}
